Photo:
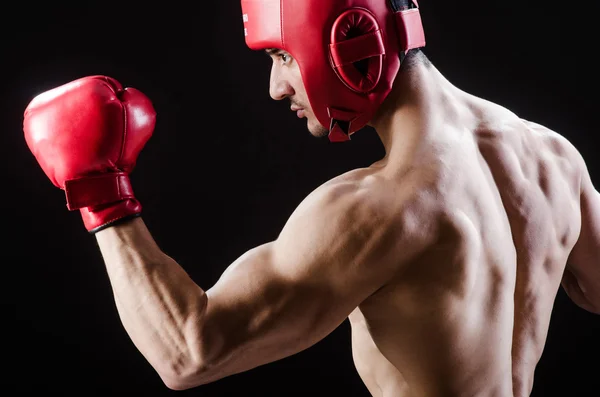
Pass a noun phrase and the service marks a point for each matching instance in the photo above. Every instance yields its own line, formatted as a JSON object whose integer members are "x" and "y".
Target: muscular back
{"x": 538, "y": 176}
{"x": 499, "y": 204}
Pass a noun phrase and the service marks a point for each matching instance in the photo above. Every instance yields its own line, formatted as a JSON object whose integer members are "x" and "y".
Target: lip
{"x": 299, "y": 111}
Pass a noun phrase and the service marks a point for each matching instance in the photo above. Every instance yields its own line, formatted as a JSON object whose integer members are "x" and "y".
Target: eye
{"x": 285, "y": 58}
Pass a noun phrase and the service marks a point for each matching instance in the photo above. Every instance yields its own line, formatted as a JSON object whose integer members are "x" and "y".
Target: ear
{"x": 357, "y": 50}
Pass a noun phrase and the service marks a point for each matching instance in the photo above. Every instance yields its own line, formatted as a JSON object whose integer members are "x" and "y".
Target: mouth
{"x": 299, "y": 111}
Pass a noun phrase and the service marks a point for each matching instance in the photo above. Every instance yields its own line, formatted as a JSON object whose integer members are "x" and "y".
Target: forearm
{"x": 159, "y": 305}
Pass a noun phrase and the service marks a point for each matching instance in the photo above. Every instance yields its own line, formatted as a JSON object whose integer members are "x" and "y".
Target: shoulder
{"x": 568, "y": 155}
{"x": 368, "y": 196}
{"x": 556, "y": 142}
{"x": 351, "y": 198}
{"x": 358, "y": 215}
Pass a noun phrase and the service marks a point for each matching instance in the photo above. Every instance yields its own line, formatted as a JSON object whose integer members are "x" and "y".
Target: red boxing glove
{"x": 86, "y": 135}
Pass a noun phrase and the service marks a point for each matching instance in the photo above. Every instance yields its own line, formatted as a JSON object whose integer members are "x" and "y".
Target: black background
{"x": 226, "y": 167}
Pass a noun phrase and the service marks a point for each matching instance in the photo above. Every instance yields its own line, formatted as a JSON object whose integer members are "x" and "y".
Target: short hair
{"x": 415, "y": 57}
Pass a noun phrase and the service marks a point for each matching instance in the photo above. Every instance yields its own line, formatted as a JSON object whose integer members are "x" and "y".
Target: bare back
{"x": 469, "y": 316}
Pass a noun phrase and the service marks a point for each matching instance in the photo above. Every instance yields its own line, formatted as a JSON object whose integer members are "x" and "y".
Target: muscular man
{"x": 446, "y": 255}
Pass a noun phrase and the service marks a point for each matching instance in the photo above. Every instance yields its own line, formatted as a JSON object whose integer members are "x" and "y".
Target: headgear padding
{"x": 328, "y": 39}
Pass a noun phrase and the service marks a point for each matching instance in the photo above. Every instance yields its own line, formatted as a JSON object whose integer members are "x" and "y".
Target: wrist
{"x": 102, "y": 199}
{"x": 101, "y": 217}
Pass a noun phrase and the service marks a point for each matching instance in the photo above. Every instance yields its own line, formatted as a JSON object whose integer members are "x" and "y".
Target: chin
{"x": 316, "y": 129}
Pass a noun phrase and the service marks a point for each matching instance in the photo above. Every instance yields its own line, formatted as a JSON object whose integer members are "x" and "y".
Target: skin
{"x": 446, "y": 256}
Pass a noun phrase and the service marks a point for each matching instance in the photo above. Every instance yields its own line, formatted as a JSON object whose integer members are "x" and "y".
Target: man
{"x": 446, "y": 255}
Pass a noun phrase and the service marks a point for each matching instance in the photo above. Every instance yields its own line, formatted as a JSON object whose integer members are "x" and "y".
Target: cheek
{"x": 300, "y": 89}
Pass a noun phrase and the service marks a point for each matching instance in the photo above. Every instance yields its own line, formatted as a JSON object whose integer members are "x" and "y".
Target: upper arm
{"x": 583, "y": 265}
{"x": 286, "y": 295}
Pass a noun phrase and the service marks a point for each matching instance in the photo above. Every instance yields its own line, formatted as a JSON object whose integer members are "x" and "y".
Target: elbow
{"x": 179, "y": 378}
{"x": 186, "y": 371}
{"x": 592, "y": 300}
{"x": 176, "y": 384}
{"x": 590, "y": 307}
{"x": 584, "y": 302}
{"x": 196, "y": 363}
{"x": 586, "y": 297}
{"x": 173, "y": 383}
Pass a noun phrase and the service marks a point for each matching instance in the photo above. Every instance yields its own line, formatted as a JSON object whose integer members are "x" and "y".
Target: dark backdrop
{"x": 226, "y": 167}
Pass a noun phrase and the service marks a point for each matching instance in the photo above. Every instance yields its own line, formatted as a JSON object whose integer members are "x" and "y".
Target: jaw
{"x": 315, "y": 128}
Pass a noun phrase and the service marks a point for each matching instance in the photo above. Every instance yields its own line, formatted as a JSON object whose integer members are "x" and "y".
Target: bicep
{"x": 261, "y": 311}
{"x": 260, "y": 302}
{"x": 282, "y": 297}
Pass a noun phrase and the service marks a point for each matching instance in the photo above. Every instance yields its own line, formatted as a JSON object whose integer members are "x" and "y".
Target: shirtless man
{"x": 446, "y": 255}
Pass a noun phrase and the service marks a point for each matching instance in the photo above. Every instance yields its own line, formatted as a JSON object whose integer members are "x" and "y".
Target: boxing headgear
{"x": 328, "y": 39}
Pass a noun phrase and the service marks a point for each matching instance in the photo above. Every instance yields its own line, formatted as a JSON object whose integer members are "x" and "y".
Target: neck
{"x": 421, "y": 96}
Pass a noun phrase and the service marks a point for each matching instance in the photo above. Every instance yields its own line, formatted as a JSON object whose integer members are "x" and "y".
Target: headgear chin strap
{"x": 348, "y": 51}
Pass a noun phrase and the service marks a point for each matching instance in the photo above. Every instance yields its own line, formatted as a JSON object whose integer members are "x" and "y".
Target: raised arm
{"x": 274, "y": 301}
{"x": 581, "y": 279}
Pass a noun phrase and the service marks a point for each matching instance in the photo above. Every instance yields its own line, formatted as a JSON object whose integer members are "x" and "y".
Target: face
{"x": 286, "y": 82}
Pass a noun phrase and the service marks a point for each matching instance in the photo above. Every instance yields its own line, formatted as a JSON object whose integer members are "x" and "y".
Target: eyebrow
{"x": 272, "y": 51}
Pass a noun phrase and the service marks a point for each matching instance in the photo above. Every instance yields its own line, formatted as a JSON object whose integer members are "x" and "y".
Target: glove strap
{"x": 98, "y": 190}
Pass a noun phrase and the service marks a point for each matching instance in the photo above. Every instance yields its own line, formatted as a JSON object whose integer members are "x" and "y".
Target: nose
{"x": 279, "y": 87}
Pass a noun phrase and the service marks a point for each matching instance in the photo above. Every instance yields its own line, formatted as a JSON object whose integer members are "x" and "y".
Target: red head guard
{"x": 327, "y": 38}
